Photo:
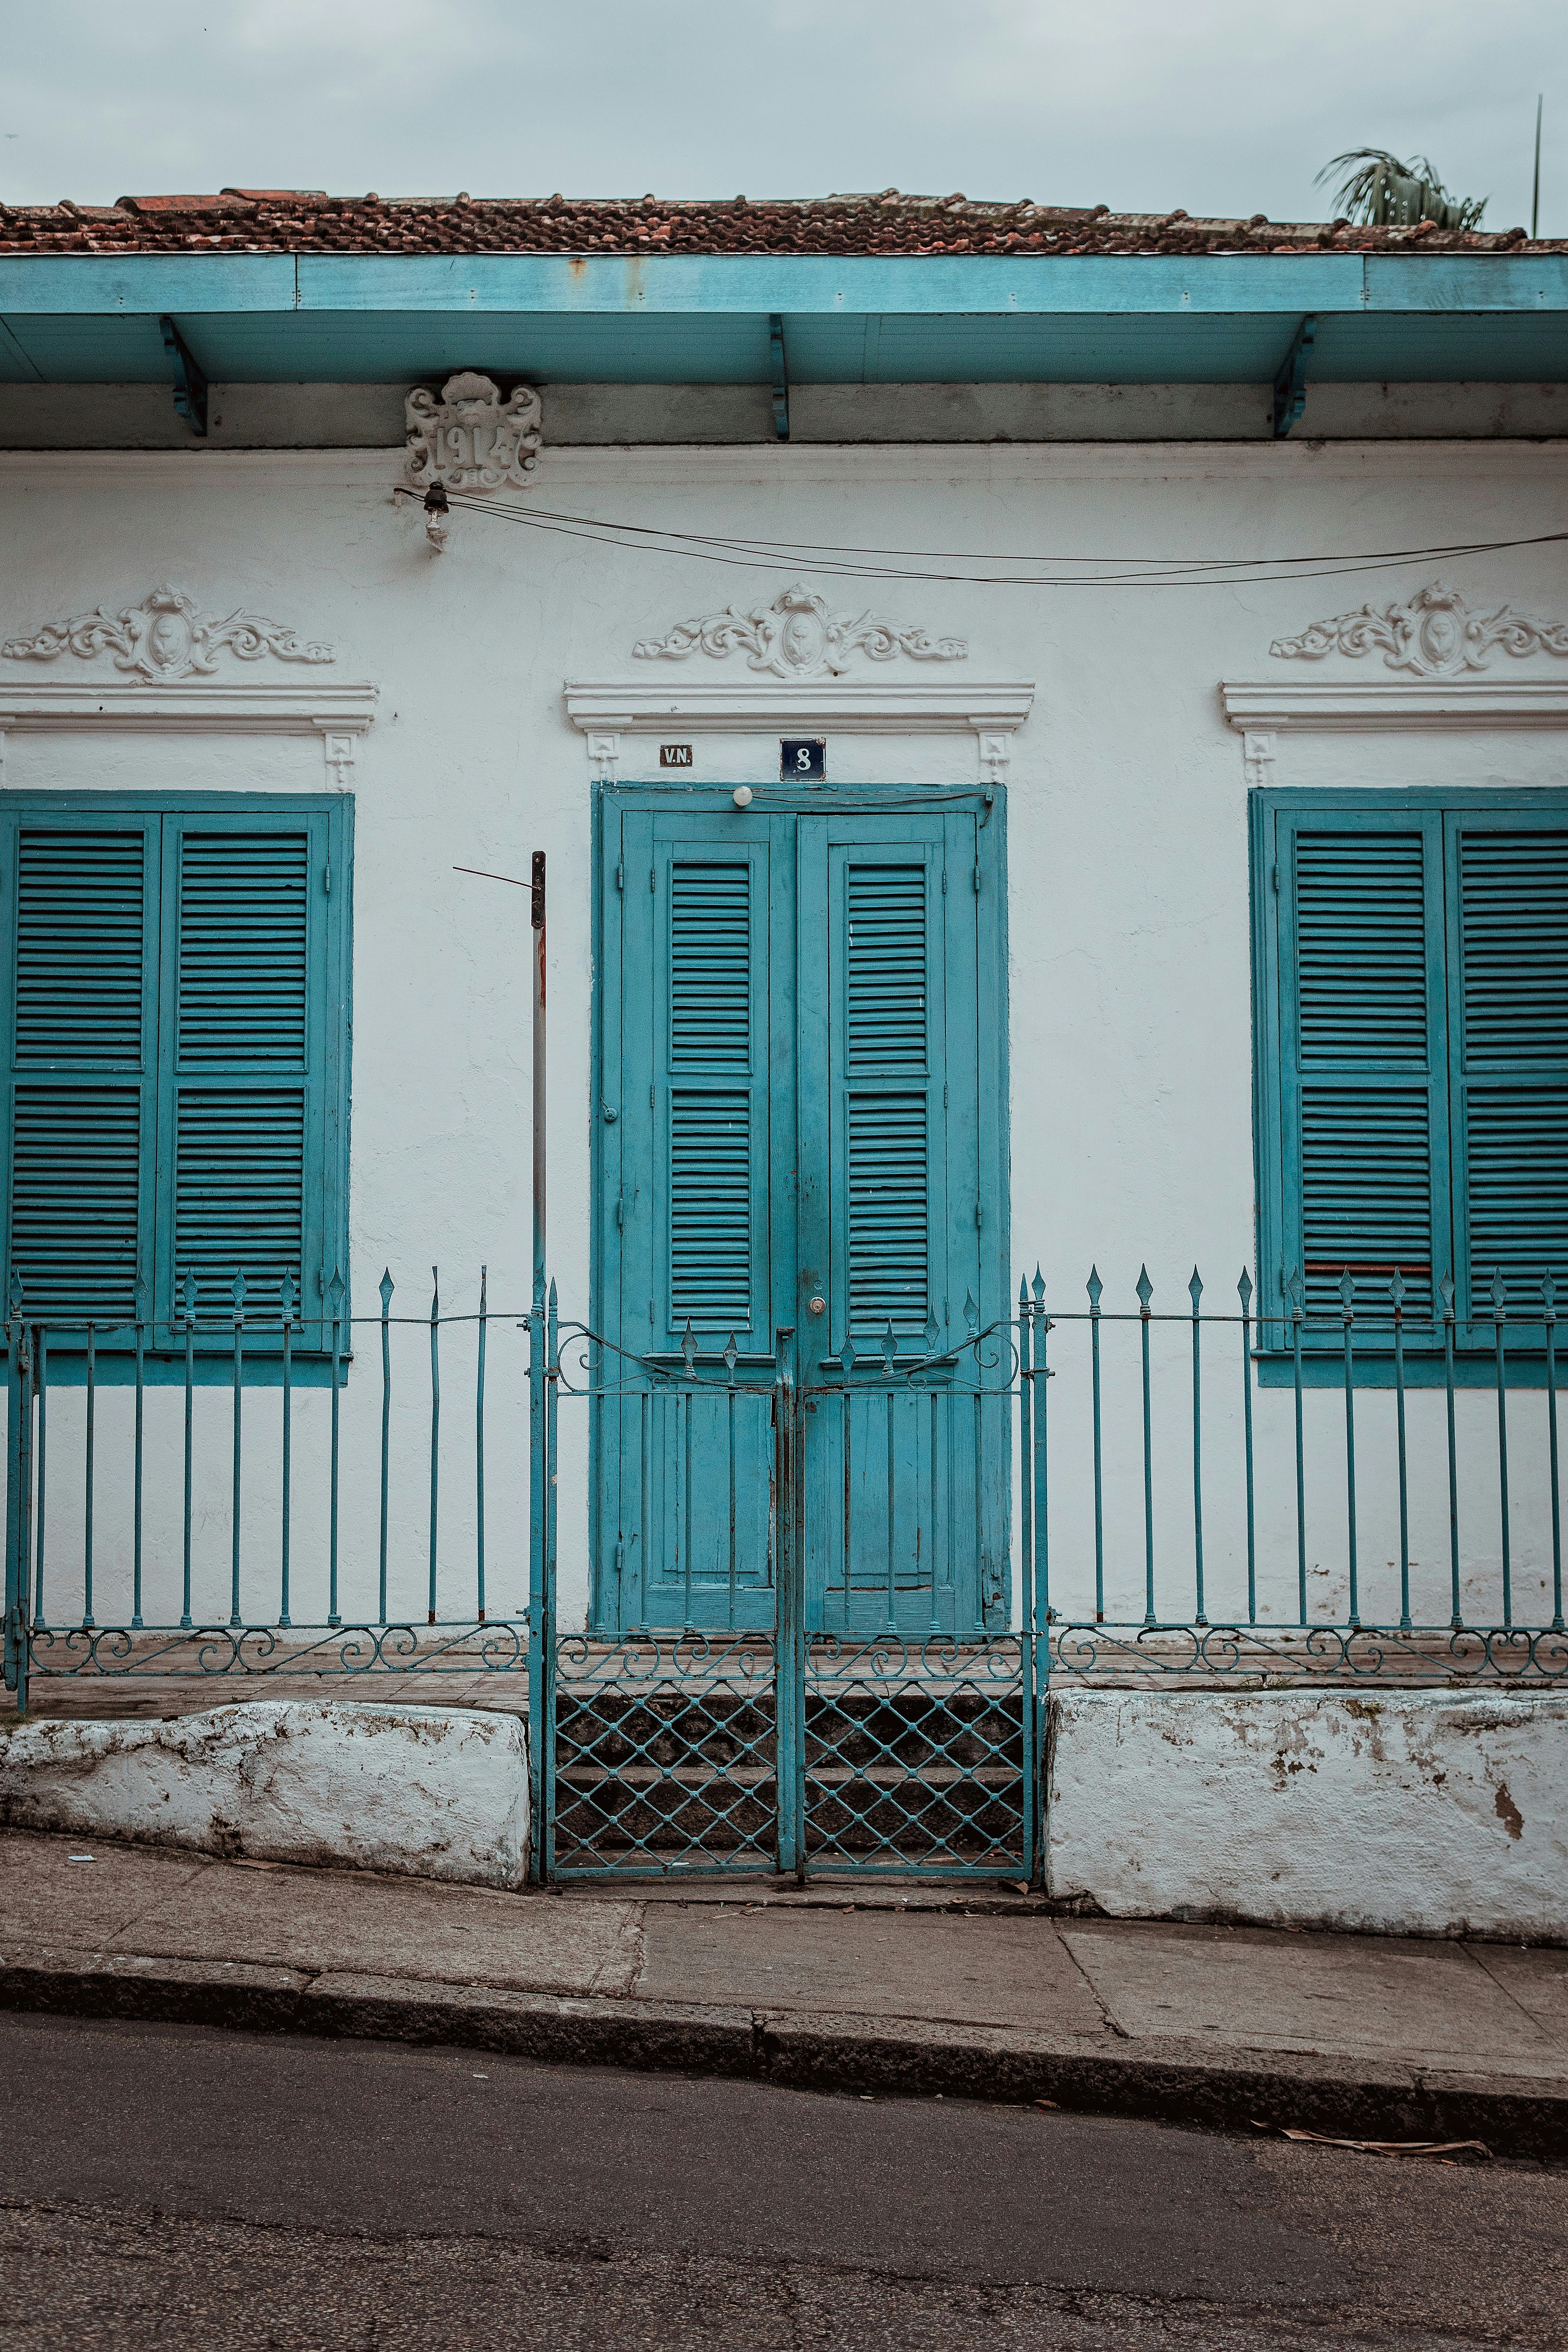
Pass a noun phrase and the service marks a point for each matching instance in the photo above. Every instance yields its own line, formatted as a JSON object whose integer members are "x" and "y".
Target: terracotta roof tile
{"x": 302, "y": 220}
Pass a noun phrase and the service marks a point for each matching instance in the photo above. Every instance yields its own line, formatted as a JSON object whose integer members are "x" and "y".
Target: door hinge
{"x": 326, "y": 878}
{"x": 653, "y": 877}
{"x": 620, "y": 873}
{"x": 944, "y": 1094}
{"x": 978, "y": 878}
{"x": 979, "y": 1215}
{"x": 1274, "y": 875}
{"x": 620, "y": 1212}
{"x": 945, "y": 881}
{"x": 651, "y": 1102}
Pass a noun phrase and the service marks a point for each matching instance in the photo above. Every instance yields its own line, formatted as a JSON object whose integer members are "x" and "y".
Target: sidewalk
{"x": 919, "y": 1991}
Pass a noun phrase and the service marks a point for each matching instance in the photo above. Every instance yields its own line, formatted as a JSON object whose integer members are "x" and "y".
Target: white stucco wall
{"x": 1131, "y": 1121}
{"x": 1390, "y": 1813}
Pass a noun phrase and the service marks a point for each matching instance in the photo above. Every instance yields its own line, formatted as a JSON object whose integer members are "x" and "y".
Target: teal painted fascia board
{"x": 145, "y": 284}
{"x": 920, "y": 284}
{"x": 976, "y": 285}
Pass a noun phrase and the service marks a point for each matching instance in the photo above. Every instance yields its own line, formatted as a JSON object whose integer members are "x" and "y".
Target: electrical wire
{"x": 741, "y": 554}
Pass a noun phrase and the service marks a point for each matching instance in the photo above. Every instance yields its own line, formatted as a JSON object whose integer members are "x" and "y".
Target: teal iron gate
{"x": 708, "y": 1747}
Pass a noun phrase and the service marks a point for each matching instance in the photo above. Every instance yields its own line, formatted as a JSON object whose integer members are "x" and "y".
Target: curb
{"x": 1169, "y": 2081}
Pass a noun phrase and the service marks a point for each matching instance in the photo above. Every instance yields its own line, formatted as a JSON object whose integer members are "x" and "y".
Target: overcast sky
{"x": 1221, "y": 106}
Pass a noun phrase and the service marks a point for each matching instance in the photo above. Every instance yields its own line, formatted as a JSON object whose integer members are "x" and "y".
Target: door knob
{"x": 818, "y": 1306}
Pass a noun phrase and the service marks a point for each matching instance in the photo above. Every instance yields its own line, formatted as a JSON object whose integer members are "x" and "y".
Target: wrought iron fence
{"x": 1194, "y": 1495}
{"x": 1387, "y": 1484}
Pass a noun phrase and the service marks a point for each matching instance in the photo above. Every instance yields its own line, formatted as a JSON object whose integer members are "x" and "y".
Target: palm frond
{"x": 1378, "y": 191}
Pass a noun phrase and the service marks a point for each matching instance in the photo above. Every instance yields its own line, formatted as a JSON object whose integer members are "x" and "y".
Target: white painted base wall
{"x": 433, "y": 1793}
{"x": 1389, "y": 1813}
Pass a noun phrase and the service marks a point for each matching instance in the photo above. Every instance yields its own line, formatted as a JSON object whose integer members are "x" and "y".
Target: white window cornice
{"x": 1385, "y": 705}
{"x": 339, "y": 714}
{"x": 992, "y": 711}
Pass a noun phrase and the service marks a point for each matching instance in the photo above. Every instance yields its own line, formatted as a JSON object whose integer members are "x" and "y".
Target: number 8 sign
{"x": 804, "y": 760}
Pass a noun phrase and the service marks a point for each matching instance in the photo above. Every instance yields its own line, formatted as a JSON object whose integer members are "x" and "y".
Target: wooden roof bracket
{"x": 781, "y": 377}
{"x": 190, "y": 383}
{"x": 1291, "y": 383}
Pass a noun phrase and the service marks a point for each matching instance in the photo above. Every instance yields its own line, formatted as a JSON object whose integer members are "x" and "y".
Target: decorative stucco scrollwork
{"x": 1437, "y": 633}
{"x": 797, "y": 636}
{"x": 471, "y": 438}
{"x": 166, "y": 638}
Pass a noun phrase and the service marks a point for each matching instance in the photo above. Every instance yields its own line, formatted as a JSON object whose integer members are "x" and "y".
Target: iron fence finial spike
{"x": 1549, "y": 1292}
{"x": 286, "y": 1297}
{"x": 1039, "y": 1283}
{"x": 1096, "y": 1289}
{"x": 1244, "y": 1289}
{"x": 1499, "y": 1296}
{"x": 889, "y": 1345}
{"x": 848, "y": 1353}
{"x": 1145, "y": 1288}
{"x": 688, "y": 1345}
{"x": 386, "y": 1286}
{"x": 732, "y": 1354}
{"x": 1195, "y": 1289}
{"x": 336, "y": 1289}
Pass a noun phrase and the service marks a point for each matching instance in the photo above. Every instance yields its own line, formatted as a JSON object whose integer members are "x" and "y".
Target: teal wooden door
{"x": 800, "y": 1147}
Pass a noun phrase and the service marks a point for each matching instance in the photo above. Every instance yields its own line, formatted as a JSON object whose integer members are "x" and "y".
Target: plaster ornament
{"x": 471, "y": 440}
{"x": 797, "y": 636}
{"x": 1436, "y": 635}
{"x": 164, "y": 637}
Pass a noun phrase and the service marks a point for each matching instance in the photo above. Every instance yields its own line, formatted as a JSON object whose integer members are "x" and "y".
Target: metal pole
{"x": 540, "y": 1731}
{"x": 537, "y": 913}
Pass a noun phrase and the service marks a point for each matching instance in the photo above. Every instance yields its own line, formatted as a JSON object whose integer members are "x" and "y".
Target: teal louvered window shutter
{"x": 1364, "y": 1058}
{"x": 178, "y": 1083}
{"x": 1412, "y": 996}
{"x": 1508, "y": 939}
{"x": 82, "y": 982}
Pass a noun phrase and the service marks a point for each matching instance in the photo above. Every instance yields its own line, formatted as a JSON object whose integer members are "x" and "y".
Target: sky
{"x": 1220, "y": 106}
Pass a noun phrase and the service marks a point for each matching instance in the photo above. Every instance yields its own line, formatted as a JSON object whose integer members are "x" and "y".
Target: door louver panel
{"x": 79, "y": 946}
{"x": 1366, "y": 1193}
{"x": 239, "y": 1159}
{"x": 1361, "y": 939}
{"x": 886, "y": 979}
{"x": 1516, "y": 1149}
{"x": 709, "y": 965}
{"x": 75, "y": 1163}
{"x": 710, "y": 1210}
{"x": 242, "y": 964}
{"x": 890, "y": 1217}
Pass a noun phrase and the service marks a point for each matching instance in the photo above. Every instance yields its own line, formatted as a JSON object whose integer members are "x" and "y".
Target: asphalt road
{"x": 188, "y": 2190}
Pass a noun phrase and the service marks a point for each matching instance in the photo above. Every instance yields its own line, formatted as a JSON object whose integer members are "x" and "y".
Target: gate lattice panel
{"x": 666, "y": 1751}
